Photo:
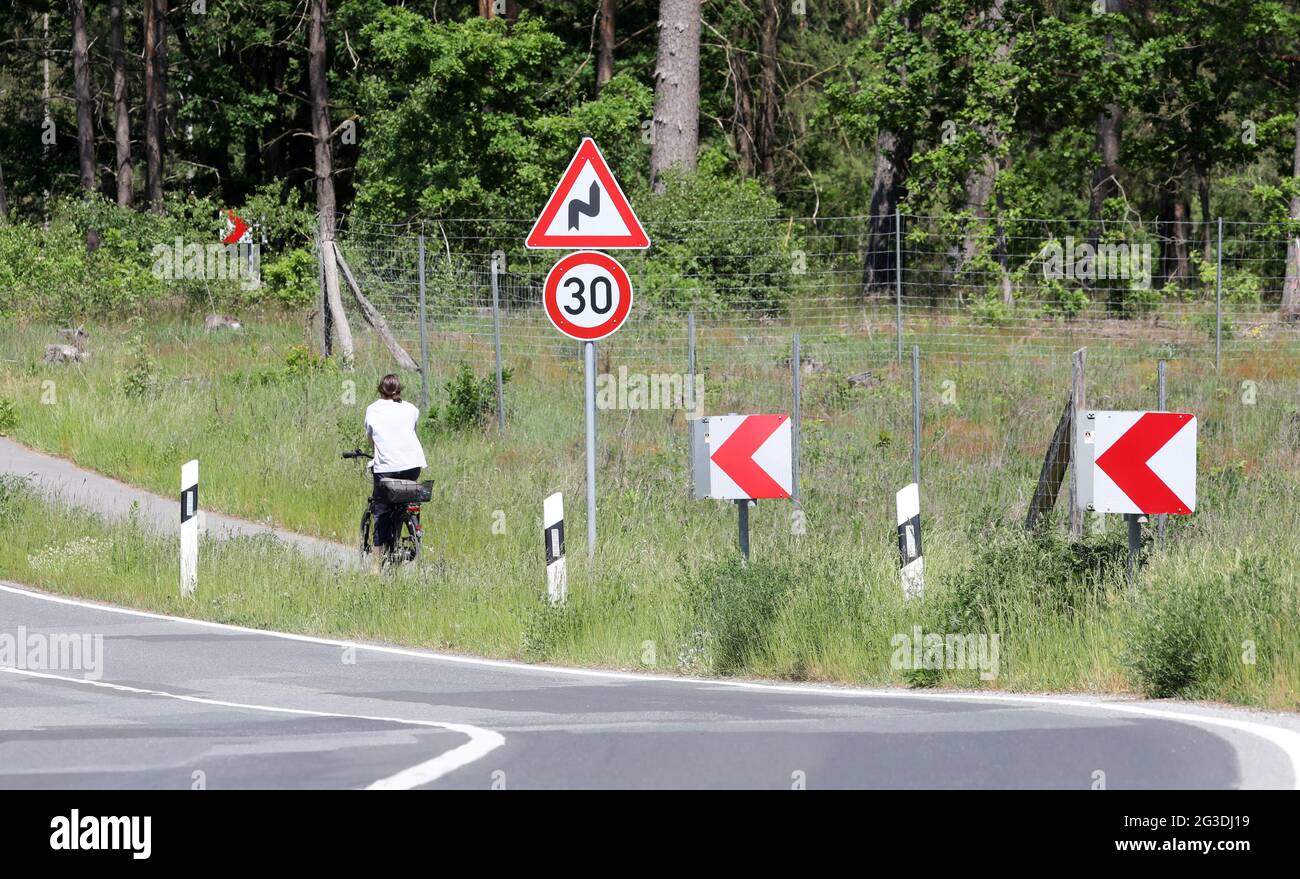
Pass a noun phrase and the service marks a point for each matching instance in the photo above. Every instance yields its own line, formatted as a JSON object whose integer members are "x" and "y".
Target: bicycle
{"x": 402, "y": 498}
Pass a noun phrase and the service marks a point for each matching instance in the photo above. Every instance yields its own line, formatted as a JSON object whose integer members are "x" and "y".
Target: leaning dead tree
{"x": 324, "y": 157}
{"x": 374, "y": 318}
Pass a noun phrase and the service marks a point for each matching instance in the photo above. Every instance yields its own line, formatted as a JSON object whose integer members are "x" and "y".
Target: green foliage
{"x": 299, "y": 364}
{"x": 1189, "y": 630}
{"x": 141, "y": 377}
{"x": 990, "y": 310}
{"x": 471, "y": 400}
{"x": 731, "y": 606}
{"x": 291, "y": 280}
{"x": 8, "y": 416}
{"x": 1064, "y": 300}
{"x": 1241, "y": 286}
{"x": 718, "y": 243}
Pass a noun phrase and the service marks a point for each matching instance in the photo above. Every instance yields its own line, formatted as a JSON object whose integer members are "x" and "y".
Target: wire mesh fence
{"x": 860, "y": 290}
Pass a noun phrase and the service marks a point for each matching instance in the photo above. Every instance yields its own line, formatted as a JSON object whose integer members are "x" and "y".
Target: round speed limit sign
{"x": 587, "y": 295}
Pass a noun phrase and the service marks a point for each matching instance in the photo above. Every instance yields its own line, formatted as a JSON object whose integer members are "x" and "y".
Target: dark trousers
{"x": 388, "y": 517}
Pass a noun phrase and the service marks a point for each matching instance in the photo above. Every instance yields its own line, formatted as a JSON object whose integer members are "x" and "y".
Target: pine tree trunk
{"x": 155, "y": 90}
{"x": 82, "y": 88}
{"x": 121, "y": 109}
{"x": 1291, "y": 286}
{"x": 677, "y": 90}
{"x": 317, "y": 71}
{"x": 768, "y": 66}
{"x": 1105, "y": 179}
{"x": 605, "y": 60}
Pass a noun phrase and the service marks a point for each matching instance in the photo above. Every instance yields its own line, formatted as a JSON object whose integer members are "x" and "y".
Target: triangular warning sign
{"x": 588, "y": 209}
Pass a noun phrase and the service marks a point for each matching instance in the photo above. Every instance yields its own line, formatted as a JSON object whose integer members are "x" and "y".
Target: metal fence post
{"x": 898, "y": 281}
{"x": 691, "y": 408}
{"x": 1218, "y": 298}
{"x": 424, "y": 336}
{"x": 916, "y": 414}
{"x": 498, "y": 256}
{"x": 795, "y": 377}
{"x": 1078, "y": 405}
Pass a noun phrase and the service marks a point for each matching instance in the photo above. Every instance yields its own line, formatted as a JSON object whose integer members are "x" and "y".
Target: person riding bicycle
{"x": 390, "y": 430}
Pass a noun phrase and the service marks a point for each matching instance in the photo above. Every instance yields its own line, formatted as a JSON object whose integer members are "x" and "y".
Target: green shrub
{"x": 990, "y": 310}
{"x": 1189, "y": 629}
{"x": 291, "y": 280}
{"x": 471, "y": 401}
{"x": 141, "y": 377}
{"x": 731, "y": 605}
{"x": 742, "y": 260}
{"x": 546, "y": 628}
{"x": 8, "y": 416}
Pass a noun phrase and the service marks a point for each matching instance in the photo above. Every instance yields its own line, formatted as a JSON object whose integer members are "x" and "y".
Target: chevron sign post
{"x": 742, "y": 458}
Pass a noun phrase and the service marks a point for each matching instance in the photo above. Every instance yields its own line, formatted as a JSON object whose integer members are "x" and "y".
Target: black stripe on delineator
{"x": 553, "y": 537}
{"x": 915, "y": 524}
{"x": 189, "y": 503}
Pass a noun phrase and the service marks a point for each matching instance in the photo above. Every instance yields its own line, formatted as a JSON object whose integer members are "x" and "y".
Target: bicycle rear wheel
{"x": 367, "y": 524}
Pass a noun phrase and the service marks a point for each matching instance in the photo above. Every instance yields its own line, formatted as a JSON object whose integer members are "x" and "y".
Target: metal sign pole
{"x": 916, "y": 414}
{"x": 589, "y": 352}
{"x": 742, "y": 523}
{"x": 1134, "y": 543}
{"x": 1160, "y": 404}
{"x": 497, "y": 259}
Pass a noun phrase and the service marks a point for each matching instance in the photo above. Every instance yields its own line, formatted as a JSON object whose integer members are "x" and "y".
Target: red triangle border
{"x": 587, "y": 152}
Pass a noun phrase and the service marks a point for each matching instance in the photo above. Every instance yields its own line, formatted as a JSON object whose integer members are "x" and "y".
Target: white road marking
{"x": 1286, "y": 740}
{"x": 481, "y": 741}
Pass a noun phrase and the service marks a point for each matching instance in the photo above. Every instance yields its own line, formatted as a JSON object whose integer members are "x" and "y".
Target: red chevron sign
{"x": 753, "y": 452}
{"x": 237, "y": 229}
{"x": 1145, "y": 462}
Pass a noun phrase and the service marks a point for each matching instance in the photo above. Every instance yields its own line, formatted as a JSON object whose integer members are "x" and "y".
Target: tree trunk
{"x": 981, "y": 179}
{"x": 1105, "y": 180}
{"x": 82, "y": 88}
{"x": 4, "y": 199}
{"x": 743, "y": 116}
{"x": 324, "y": 160}
{"x": 888, "y": 188}
{"x": 605, "y": 60}
{"x": 1174, "y": 267}
{"x": 155, "y": 99}
{"x": 487, "y": 9}
{"x": 677, "y": 90}
{"x": 1203, "y": 196}
{"x": 121, "y": 108}
{"x": 1291, "y": 286}
{"x": 768, "y": 66}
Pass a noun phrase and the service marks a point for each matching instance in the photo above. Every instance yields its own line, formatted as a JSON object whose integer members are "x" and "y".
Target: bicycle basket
{"x": 406, "y": 491}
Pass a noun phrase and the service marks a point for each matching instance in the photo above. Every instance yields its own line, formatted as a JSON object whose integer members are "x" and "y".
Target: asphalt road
{"x": 178, "y": 703}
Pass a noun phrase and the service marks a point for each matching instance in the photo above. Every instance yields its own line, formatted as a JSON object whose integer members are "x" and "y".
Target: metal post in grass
{"x": 796, "y": 417}
{"x": 1218, "y": 298}
{"x": 1160, "y": 404}
{"x": 916, "y": 414}
{"x": 690, "y": 365}
{"x": 589, "y": 356}
{"x": 742, "y": 525}
{"x": 498, "y": 257}
{"x": 424, "y": 334}
{"x": 898, "y": 281}
{"x": 1078, "y": 402}
{"x": 1134, "y": 522}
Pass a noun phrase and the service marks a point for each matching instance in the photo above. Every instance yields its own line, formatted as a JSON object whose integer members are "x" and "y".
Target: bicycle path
{"x": 63, "y": 480}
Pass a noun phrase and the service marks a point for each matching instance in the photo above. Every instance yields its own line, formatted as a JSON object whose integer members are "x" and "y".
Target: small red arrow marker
{"x": 240, "y": 227}
{"x": 1125, "y": 462}
{"x": 736, "y": 456}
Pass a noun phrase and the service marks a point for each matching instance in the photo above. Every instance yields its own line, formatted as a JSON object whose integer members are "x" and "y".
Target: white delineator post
{"x": 189, "y": 527}
{"x": 557, "y": 575}
{"x": 909, "y": 541}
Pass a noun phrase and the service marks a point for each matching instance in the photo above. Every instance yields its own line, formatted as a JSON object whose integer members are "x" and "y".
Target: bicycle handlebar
{"x": 357, "y": 453}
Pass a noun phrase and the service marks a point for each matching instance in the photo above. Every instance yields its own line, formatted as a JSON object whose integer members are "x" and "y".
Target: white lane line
{"x": 481, "y": 741}
{"x": 1286, "y": 740}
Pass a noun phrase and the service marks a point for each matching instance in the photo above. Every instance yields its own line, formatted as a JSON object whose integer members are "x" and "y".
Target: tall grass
{"x": 664, "y": 592}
